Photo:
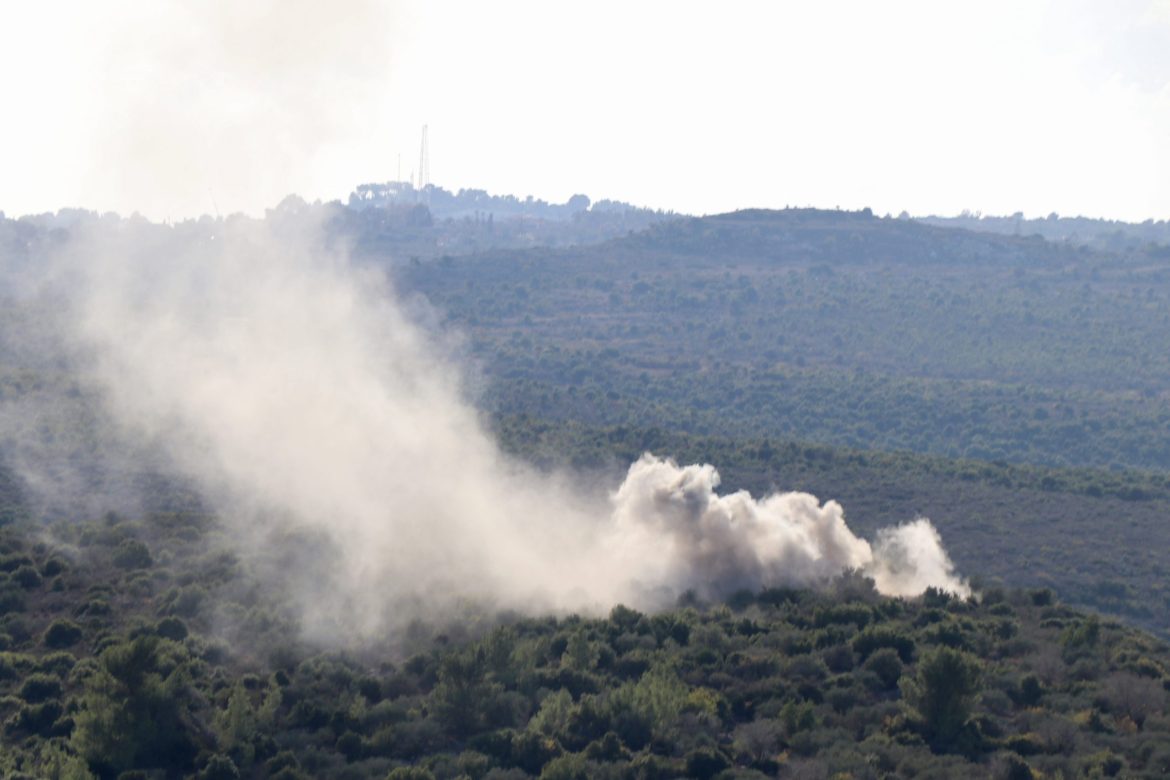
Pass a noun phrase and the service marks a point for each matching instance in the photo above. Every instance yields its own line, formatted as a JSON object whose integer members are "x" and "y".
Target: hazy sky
{"x": 177, "y": 108}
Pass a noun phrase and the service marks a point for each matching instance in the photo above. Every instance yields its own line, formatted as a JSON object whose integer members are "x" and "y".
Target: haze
{"x": 930, "y": 107}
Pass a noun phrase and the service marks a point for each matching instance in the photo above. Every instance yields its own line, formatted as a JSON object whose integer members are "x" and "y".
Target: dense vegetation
{"x": 1097, "y": 538}
{"x": 832, "y": 327}
{"x": 140, "y": 647}
{"x": 1006, "y": 387}
{"x": 1086, "y": 231}
{"x": 839, "y": 328}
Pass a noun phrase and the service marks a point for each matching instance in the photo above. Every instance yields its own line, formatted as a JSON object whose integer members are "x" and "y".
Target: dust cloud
{"x": 289, "y": 385}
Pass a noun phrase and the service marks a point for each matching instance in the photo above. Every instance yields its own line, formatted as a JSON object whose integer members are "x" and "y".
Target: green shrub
{"x": 95, "y": 607}
{"x": 859, "y": 615}
{"x": 349, "y": 744}
{"x": 705, "y": 763}
{"x": 53, "y": 567}
{"x": 13, "y": 561}
{"x": 1043, "y": 597}
{"x": 1025, "y": 744}
{"x": 531, "y": 751}
{"x": 838, "y": 658}
{"x": 1012, "y": 767}
{"x": 285, "y": 759}
{"x": 38, "y": 687}
{"x": 61, "y": 634}
{"x": 187, "y": 601}
{"x": 132, "y": 554}
{"x": 171, "y": 628}
{"x": 11, "y": 598}
{"x": 874, "y": 638}
{"x": 27, "y": 577}
{"x": 571, "y": 766}
{"x": 38, "y": 718}
{"x": 1029, "y": 692}
{"x": 607, "y": 749}
{"x": 60, "y": 663}
{"x": 220, "y": 768}
{"x": 886, "y": 665}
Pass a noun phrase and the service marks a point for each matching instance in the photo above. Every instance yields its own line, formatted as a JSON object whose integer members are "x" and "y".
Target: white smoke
{"x": 291, "y": 387}
{"x": 717, "y": 544}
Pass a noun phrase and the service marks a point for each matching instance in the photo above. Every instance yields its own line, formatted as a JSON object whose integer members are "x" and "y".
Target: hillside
{"x": 139, "y": 643}
{"x": 1097, "y": 538}
{"x": 1081, "y": 231}
{"x": 1008, "y": 388}
{"x": 833, "y": 327}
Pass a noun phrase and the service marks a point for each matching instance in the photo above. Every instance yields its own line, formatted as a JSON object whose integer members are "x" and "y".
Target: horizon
{"x": 174, "y": 111}
{"x": 342, "y": 201}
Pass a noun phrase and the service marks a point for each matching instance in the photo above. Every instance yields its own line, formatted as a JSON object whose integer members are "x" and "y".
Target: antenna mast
{"x": 424, "y": 162}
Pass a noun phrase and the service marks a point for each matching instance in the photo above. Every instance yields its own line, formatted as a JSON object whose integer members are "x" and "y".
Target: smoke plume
{"x": 676, "y": 532}
{"x": 287, "y": 382}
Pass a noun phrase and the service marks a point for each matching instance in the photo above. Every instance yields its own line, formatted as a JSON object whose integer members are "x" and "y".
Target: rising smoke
{"x": 289, "y": 385}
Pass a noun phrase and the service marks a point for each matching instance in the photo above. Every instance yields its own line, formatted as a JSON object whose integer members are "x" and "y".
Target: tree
{"x": 133, "y": 712}
{"x": 463, "y": 695}
{"x": 942, "y": 694}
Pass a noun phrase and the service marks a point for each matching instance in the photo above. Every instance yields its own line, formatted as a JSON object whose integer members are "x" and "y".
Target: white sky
{"x": 174, "y": 108}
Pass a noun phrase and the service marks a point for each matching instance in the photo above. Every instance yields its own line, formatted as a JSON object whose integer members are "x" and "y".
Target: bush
{"x": 1012, "y": 767}
{"x": 349, "y": 745}
{"x": 185, "y": 602}
{"x": 11, "y": 598}
{"x": 873, "y": 639}
{"x": 171, "y": 628}
{"x": 53, "y": 567}
{"x": 59, "y": 663}
{"x": 571, "y": 766}
{"x": 285, "y": 759}
{"x": 705, "y": 763}
{"x": 38, "y": 718}
{"x": 532, "y": 751}
{"x": 37, "y": 687}
{"x": 220, "y": 768}
{"x": 1043, "y": 597}
{"x": 13, "y": 561}
{"x": 841, "y": 614}
{"x": 132, "y": 554}
{"x": 1030, "y": 691}
{"x": 838, "y": 658}
{"x": 27, "y": 577}
{"x": 61, "y": 634}
{"x": 886, "y": 664}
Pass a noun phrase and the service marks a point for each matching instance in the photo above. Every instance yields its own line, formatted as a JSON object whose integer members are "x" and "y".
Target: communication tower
{"x": 424, "y": 162}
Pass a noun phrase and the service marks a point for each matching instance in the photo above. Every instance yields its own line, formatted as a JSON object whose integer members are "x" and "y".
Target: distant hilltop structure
{"x": 477, "y": 204}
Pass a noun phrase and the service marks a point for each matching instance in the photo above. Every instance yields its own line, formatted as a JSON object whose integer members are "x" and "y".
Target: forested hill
{"x": 1105, "y": 234}
{"x": 1098, "y": 538}
{"x": 141, "y": 644}
{"x": 138, "y": 647}
{"x": 835, "y": 327}
{"x": 807, "y": 236}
